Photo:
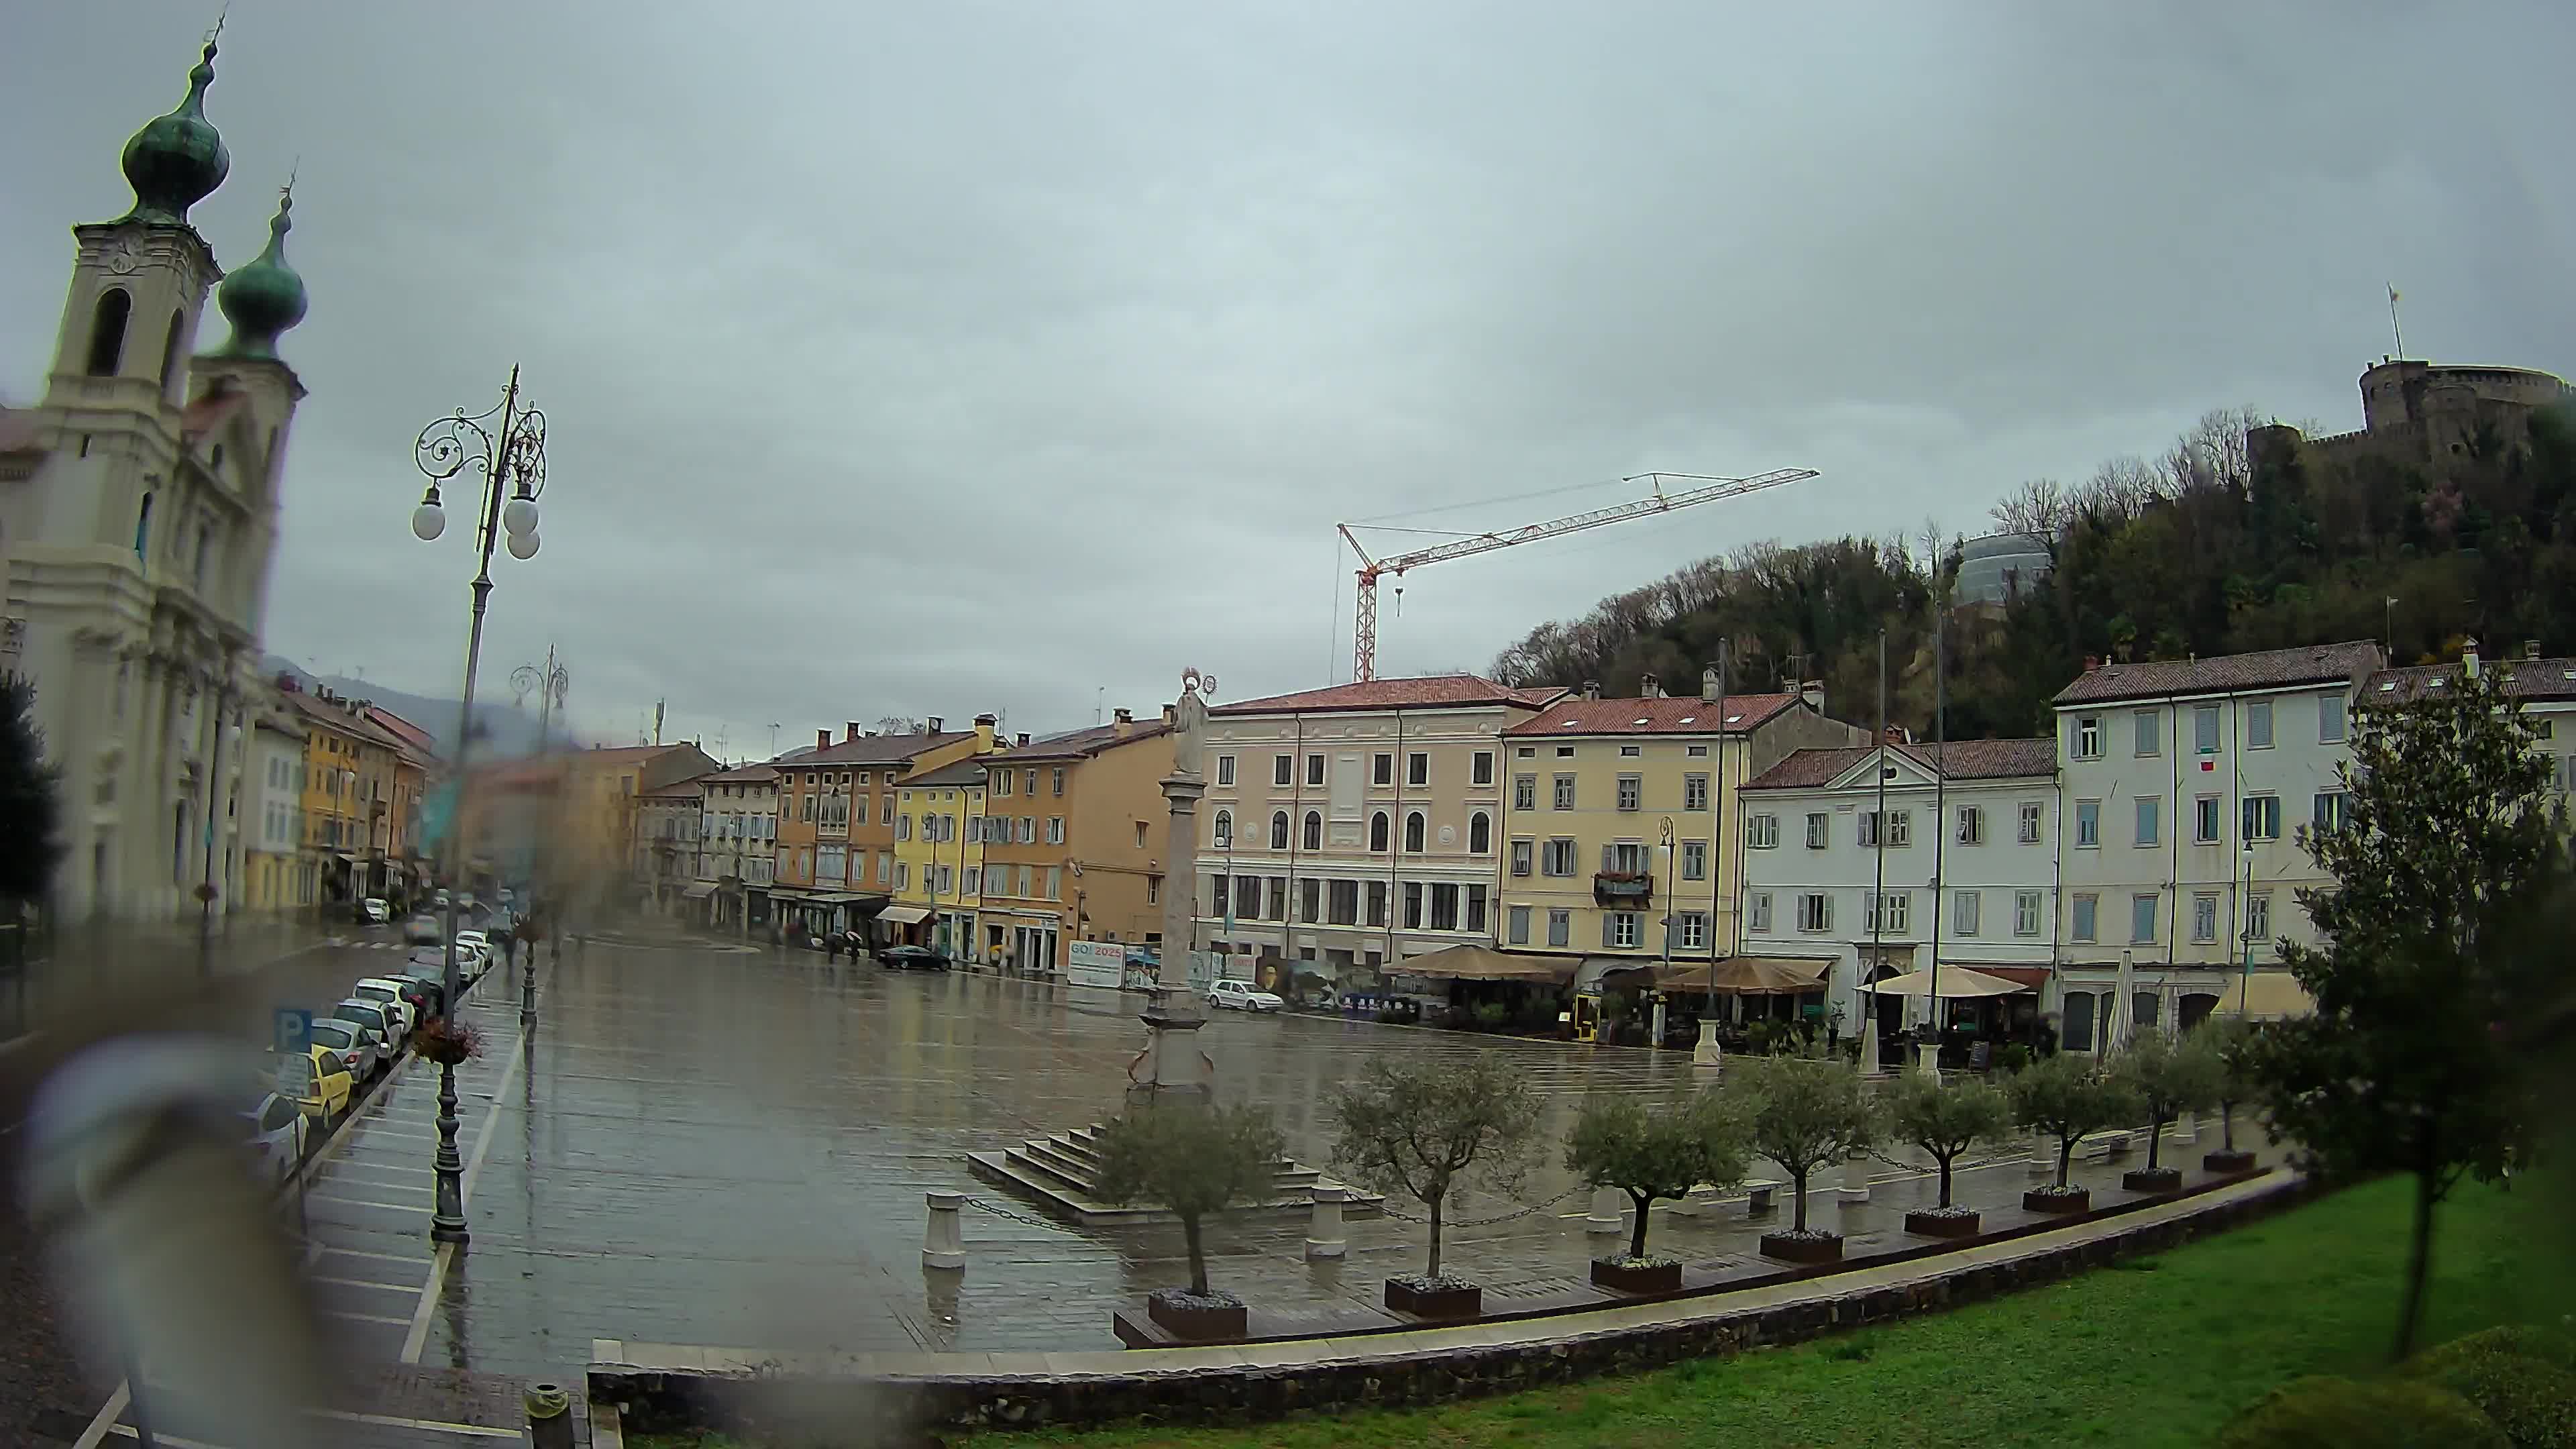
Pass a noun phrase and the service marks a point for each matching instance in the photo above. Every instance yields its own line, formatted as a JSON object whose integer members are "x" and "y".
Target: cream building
{"x": 738, "y": 849}
{"x": 1347, "y": 828}
{"x": 139, "y": 526}
{"x": 275, "y": 874}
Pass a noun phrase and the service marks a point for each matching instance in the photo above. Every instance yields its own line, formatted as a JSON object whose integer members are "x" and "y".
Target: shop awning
{"x": 1482, "y": 963}
{"x": 1956, "y": 982}
{"x": 699, "y": 891}
{"x": 834, "y": 898}
{"x": 904, "y": 915}
{"x": 2267, "y": 995}
{"x": 2033, "y": 977}
{"x": 1747, "y": 976}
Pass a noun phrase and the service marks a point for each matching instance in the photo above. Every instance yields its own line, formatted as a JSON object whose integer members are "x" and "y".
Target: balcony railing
{"x": 1623, "y": 887}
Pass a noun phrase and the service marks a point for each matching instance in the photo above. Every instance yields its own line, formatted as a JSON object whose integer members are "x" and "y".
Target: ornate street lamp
{"x": 507, "y": 446}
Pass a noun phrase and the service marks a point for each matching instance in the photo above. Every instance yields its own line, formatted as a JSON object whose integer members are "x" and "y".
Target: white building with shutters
{"x": 1964, "y": 868}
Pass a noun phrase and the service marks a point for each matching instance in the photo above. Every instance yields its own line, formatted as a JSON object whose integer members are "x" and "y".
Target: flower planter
{"x": 2050, "y": 1200}
{"x": 2152, "y": 1179}
{"x": 2228, "y": 1162}
{"x": 1807, "y": 1247}
{"x": 1434, "y": 1297}
{"x": 1943, "y": 1222}
{"x": 1629, "y": 1275}
{"x": 1187, "y": 1315}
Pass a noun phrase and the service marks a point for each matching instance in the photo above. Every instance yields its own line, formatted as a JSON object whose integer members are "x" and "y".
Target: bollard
{"x": 1855, "y": 1180}
{"x": 1609, "y": 1210}
{"x": 943, "y": 1242}
{"x": 549, "y": 1416}
{"x": 2043, "y": 1155}
{"x": 1324, "y": 1237}
{"x": 2187, "y": 1127}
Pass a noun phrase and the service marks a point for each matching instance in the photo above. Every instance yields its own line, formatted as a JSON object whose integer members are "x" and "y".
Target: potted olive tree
{"x": 1945, "y": 1119}
{"x": 1426, "y": 1129}
{"x": 1651, "y": 1155}
{"x": 2066, "y": 1096}
{"x": 2165, "y": 1078}
{"x": 1197, "y": 1160}
{"x": 1805, "y": 1112}
{"x": 2230, "y": 1041}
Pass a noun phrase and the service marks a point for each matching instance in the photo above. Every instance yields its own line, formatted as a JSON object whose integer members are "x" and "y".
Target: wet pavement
{"x": 731, "y": 1146}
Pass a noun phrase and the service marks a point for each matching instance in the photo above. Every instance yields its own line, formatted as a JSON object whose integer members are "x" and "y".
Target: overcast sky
{"x": 932, "y": 359}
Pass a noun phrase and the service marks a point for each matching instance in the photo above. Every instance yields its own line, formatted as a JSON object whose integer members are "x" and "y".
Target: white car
{"x": 389, "y": 995}
{"x": 424, "y": 930}
{"x": 276, "y": 1135}
{"x": 474, "y": 950}
{"x": 1240, "y": 996}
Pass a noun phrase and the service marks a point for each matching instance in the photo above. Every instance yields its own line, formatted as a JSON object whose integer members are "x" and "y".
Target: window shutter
{"x": 1608, "y": 856}
{"x": 1605, "y": 928}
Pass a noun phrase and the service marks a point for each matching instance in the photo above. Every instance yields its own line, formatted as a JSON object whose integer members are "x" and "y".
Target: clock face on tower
{"x": 122, "y": 257}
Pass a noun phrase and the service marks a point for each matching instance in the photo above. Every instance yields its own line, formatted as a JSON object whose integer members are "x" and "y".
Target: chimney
{"x": 850, "y": 730}
{"x": 1592, "y": 689}
{"x": 984, "y": 727}
{"x": 1021, "y": 739}
{"x": 1122, "y": 722}
{"x": 1708, "y": 685}
{"x": 2531, "y": 649}
{"x": 822, "y": 739}
{"x": 2092, "y": 662}
{"x": 1813, "y": 692}
{"x": 1896, "y": 734}
{"x": 2469, "y": 658}
{"x": 1649, "y": 687}
{"x": 934, "y": 725}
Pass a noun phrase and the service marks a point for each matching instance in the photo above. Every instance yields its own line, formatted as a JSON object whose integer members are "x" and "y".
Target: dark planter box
{"x": 2078, "y": 1201}
{"x": 1795, "y": 1249}
{"x": 1942, "y": 1225}
{"x": 1189, "y": 1317}
{"x": 1462, "y": 1300}
{"x": 2224, "y": 1161}
{"x": 1653, "y": 1278}
{"x": 2152, "y": 1179}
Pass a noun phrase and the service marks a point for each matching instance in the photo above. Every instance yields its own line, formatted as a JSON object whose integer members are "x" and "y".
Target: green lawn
{"x": 2159, "y": 1351}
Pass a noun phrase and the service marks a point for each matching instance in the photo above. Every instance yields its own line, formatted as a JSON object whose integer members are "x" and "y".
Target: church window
{"x": 170, "y": 351}
{"x": 107, "y": 331}
{"x": 143, "y": 529}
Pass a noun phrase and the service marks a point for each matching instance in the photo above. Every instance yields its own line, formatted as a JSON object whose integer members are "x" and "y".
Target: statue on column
{"x": 1189, "y": 728}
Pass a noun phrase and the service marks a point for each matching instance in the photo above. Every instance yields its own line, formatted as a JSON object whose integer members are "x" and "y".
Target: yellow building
{"x": 938, "y": 855}
{"x": 1073, "y": 843}
{"x": 1620, "y": 815}
{"x": 836, "y": 808}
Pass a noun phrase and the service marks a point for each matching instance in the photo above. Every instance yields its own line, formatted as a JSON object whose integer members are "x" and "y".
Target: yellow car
{"x": 315, "y": 1082}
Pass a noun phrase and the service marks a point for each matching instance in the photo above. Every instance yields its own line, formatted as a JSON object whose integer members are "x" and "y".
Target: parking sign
{"x": 294, "y": 1031}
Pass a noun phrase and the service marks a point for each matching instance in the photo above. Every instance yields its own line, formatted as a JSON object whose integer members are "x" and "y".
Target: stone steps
{"x": 1060, "y": 1172}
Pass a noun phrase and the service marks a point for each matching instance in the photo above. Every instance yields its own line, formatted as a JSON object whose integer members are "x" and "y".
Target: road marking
{"x": 430, "y": 1291}
{"x": 106, "y": 1420}
{"x": 160, "y": 1438}
{"x": 366, "y": 1317}
{"x": 388, "y": 1257}
{"x": 400, "y": 1207}
{"x": 435, "y": 1426}
{"x": 385, "y": 1167}
{"x": 363, "y": 1283}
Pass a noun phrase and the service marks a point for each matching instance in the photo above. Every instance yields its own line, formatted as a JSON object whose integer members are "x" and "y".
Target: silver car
{"x": 358, "y": 1052}
{"x": 373, "y": 1017}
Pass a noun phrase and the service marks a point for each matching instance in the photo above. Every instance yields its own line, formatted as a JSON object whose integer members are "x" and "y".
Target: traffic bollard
{"x": 549, "y": 1416}
{"x": 1609, "y": 1207}
{"x": 1324, "y": 1234}
{"x": 2043, "y": 1155}
{"x": 943, "y": 1243}
{"x": 1855, "y": 1179}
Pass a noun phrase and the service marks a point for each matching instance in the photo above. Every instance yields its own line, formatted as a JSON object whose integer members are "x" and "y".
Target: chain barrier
{"x": 1013, "y": 1215}
{"x": 1391, "y": 1210}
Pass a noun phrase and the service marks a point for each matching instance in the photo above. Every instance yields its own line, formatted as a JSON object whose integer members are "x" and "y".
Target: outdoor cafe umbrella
{"x": 1957, "y": 982}
{"x": 1745, "y": 976}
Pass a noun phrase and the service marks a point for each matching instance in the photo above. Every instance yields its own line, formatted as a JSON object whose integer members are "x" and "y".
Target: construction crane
{"x": 1364, "y": 618}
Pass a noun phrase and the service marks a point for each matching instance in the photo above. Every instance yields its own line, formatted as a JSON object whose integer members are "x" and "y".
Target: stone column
{"x": 1173, "y": 1062}
{"x": 943, "y": 1239}
{"x": 1608, "y": 1211}
{"x": 1855, "y": 1186}
{"x": 1325, "y": 1236}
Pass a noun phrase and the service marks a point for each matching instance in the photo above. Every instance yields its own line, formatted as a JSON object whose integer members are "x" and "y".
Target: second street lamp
{"x": 507, "y": 446}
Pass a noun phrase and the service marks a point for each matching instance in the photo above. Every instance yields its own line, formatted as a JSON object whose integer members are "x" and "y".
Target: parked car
{"x": 1240, "y": 996}
{"x": 315, "y": 1083}
{"x": 912, "y": 958}
{"x": 359, "y": 1054}
{"x": 412, "y": 995}
{"x": 433, "y": 988}
{"x": 374, "y": 912}
{"x": 474, "y": 948}
{"x": 424, "y": 930}
{"x": 275, "y": 1129}
{"x": 375, "y": 1016}
{"x": 389, "y": 996}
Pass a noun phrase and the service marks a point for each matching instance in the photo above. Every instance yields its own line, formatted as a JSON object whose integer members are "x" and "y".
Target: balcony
{"x": 1626, "y": 889}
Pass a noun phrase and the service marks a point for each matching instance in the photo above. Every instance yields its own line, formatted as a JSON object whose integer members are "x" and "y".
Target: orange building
{"x": 1074, "y": 830}
{"x": 836, "y": 809}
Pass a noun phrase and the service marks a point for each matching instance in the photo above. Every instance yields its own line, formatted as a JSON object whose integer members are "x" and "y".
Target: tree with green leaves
{"x": 30, "y": 802}
{"x": 2166, "y": 1078}
{"x": 1944, "y": 1119}
{"x": 2067, "y": 1096}
{"x": 1421, "y": 1126}
{"x": 1659, "y": 1153}
{"x": 2447, "y": 841}
{"x": 1196, "y": 1160}
{"x": 2230, "y": 1042}
{"x": 1807, "y": 1112}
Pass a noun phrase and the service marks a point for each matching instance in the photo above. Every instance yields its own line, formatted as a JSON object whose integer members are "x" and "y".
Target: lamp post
{"x": 2245, "y": 915}
{"x": 507, "y": 446}
{"x": 1671, "y": 918}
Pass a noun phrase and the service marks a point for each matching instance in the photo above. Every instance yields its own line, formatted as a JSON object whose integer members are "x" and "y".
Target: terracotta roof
{"x": 959, "y": 772}
{"x": 419, "y": 739}
{"x": 1964, "y": 759}
{"x": 2550, "y": 679}
{"x": 1082, "y": 744}
{"x": 745, "y": 775}
{"x": 2225, "y": 673}
{"x": 1435, "y": 691}
{"x": 1662, "y": 715}
{"x": 880, "y": 749}
{"x": 330, "y": 715}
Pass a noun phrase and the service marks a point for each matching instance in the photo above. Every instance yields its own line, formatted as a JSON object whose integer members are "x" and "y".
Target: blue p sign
{"x": 294, "y": 1031}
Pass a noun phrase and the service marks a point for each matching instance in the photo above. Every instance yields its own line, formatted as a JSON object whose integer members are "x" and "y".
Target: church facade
{"x": 138, "y": 518}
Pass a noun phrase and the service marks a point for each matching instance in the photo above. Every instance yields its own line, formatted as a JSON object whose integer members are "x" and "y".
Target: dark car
{"x": 912, "y": 958}
{"x": 432, "y": 992}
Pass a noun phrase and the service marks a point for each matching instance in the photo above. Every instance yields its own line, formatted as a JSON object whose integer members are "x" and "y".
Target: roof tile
{"x": 1433, "y": 691}
{"x": 2544, "y": 679}
{"x": 2221, "y": 674}
{"x": 1965, "y": 759}
{"x": 1662, "y": 715}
